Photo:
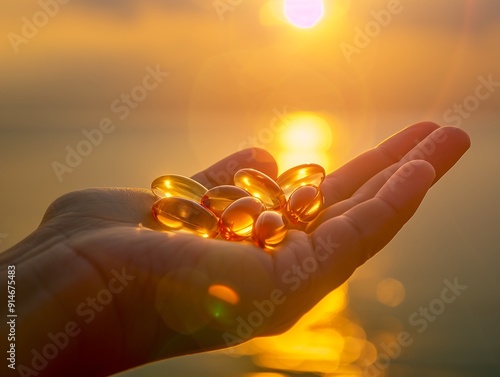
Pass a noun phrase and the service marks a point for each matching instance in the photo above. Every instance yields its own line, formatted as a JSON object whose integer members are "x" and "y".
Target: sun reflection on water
{"x": 307, "y": 138}
{"x": 325, "y": 340}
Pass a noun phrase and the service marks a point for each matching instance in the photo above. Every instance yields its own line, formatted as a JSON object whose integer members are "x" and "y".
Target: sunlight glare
{"x": 306, "y": 138}
{"x": 307, "y": 131}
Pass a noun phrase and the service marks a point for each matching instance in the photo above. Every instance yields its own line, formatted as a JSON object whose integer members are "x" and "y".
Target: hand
{"x": 99, "y": 273}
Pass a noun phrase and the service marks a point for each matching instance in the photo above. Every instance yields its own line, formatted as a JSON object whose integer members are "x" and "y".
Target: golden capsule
{"x": 261, "y": 186}
{"x": 304, "y": 204}
{"x": 269, "y": 229}
{"x": 218, "y": 198}
{"x": 301, "y": 175}
{"x": 184, "y": 214}
{"x": 178, "y": 186}
{"x": 236, "y": 222}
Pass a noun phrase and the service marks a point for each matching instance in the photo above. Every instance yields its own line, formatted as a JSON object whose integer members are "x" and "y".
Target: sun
{"x": 304, "y": 14}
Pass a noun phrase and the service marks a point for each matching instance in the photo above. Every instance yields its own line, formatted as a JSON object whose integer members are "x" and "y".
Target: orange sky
{"x": 427, "y": 57}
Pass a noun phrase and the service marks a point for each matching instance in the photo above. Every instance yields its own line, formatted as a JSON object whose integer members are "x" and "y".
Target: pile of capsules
{"x": 256, "y": 207}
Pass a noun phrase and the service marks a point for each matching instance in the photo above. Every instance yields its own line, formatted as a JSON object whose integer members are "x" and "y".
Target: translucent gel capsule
{"x": 178, "y": 186}
{"x": 218, "y": 198}
{"x": 301, "y": 175}
{"x": 261, "y": 186}
{"x": 184, "y": 214}
{"x": 304, "y": 204}
{"x": 236, "y": 222}
{"x": 269, "y": 229}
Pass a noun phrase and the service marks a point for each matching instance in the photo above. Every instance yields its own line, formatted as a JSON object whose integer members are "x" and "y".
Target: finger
{"x": 363, "y": 230}
{"x": 454, "y": 140}
{"x": 222, "y": 172}
{"x": 442, "y": 148}
{"x": 342, "y": 183}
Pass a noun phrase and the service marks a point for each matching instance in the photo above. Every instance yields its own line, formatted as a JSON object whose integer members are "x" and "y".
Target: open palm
{"x": 139, "y": 294}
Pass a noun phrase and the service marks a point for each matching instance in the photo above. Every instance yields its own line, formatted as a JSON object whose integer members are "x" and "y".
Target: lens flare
{"x": 224, "y": 293}
{"x": 220, "y": 303}
{"x": 304, "y": 14}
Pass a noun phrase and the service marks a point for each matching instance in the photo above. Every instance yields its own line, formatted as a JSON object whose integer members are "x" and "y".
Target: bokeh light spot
{"x": 390, "y": 292}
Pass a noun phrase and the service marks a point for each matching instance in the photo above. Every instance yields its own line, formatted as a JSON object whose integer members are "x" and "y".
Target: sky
{"x": 424, "y": 57}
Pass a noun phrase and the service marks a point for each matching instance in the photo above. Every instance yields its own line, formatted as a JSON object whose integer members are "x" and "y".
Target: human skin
{"x": 161, "y": 307}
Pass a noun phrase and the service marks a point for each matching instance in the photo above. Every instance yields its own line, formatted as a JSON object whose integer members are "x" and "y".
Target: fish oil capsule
{"x": 178, "y": 186}
{"x": 236, "y": 222}
{"x": 184, "y": 214}
{"x": 301, "y": 175}
{"x": 269, "y": 229}
{"x": 304, "y": 204}
{"x": 261, "y": 186}
{"x": 218, "y": 198}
